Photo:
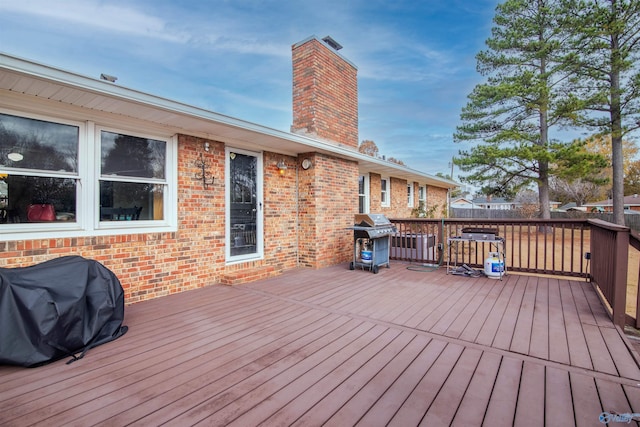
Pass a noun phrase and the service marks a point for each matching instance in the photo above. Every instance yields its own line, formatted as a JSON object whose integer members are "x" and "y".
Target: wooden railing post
{"x": 621, "y": 260}
{"x": 609, "y": 261}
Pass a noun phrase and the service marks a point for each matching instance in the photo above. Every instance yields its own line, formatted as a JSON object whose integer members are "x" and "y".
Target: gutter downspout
{"x": 297, "y": 215}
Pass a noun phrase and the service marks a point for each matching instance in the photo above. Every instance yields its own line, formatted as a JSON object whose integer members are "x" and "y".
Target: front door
{"x": 244, "y": 205}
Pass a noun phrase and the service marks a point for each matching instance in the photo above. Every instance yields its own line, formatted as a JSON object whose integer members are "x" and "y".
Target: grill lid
{"x": 371, "y": 220}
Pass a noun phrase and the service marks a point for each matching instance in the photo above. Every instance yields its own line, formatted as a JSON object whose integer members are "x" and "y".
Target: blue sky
{"x": 416, "y": 59}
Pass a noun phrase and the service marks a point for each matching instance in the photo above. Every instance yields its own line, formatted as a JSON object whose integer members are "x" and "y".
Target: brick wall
{"x": 325, "y": 94}
{"x": 398, "y": 207}
{"x": 280, "y": 212}
{"x": 157, "y": 264}
{"x": 438, "y": 197}
{"x": 328, "y": 202}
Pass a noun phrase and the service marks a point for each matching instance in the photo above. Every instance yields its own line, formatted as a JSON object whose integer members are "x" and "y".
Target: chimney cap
{"x": 331, "y": 42}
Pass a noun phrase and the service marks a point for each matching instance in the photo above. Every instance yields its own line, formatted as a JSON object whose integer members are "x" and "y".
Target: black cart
{"x": 371, "y": 232}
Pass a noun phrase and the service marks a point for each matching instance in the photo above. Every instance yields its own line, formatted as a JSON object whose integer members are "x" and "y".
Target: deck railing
{"x": 592, "y": 249}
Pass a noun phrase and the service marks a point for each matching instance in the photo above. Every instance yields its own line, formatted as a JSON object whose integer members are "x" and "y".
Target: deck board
{"x": 586, "y": 402}
{"x": 413, "y": 409}
{"x": 524, "y": 324}
{"x": 531, "y": 395}
{"x": 558, "y": 343}
{"x": 540, "y": 329}
{"x": 576, "y": 341}
{"x": 504, "y": 397}
{"x": 337, "y": 347}
{"x": 508, "y": 322}
{"x": 558, "y": 404}
{"x": 388, "y": 404}
{"x": 365, "y": 397}
{"x": 474, "y": 403}
{"x": 318, "y": 412}
{"x": 442, "y": 411}
{"x": 464, "y": 312}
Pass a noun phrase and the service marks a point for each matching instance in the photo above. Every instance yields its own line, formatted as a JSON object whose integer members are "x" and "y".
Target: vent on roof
{"x": 108, "y": 78}
{"x": 331, "y": 42}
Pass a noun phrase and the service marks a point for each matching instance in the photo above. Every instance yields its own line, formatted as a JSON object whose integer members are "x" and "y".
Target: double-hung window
{"x": 410, "y": 194}
{"x": 363, "y": 193}
{"x": 385, "y": 200}
{"x": 422, "y": 198}
{"x": 72, "y": 178}
{"x": 39, "y": 172}
{"x": 133, "y": 177}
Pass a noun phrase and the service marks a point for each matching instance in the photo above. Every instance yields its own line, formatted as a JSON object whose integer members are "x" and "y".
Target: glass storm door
{"x": 244, "y": 205}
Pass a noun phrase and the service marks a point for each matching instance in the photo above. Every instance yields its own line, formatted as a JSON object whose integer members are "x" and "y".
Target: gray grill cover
{"x": 57, "y": 309}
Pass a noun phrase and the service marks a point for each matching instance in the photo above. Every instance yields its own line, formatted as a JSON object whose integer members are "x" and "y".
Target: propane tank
{"x": 494, "y": 266}
{"x": 366, "y": 253}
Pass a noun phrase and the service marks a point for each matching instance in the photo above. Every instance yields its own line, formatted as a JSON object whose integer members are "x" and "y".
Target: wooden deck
{"x": 342, "y": 348}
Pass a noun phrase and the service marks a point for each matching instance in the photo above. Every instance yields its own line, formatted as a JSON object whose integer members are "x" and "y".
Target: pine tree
{"x": 510, "y": 114}
{"x": 605, "y": 39}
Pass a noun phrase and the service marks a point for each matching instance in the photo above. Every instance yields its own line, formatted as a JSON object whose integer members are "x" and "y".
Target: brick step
{"x": 246, "y": 275}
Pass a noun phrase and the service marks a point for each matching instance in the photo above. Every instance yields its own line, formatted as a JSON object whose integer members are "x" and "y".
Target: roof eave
{"x": 243, "y": 131}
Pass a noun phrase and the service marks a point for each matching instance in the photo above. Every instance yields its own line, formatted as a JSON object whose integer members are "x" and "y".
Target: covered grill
{"x": 371, "y": 241}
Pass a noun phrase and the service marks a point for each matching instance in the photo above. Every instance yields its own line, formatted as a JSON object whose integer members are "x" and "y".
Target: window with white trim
{"x": 422, "y": 198}
{"x": 385, "y": 200}
{"x": 410, "y": 194}
{"x": 363, "y": 194}
{"x": 72, "y": 178}
{"x": 132, "y": 177}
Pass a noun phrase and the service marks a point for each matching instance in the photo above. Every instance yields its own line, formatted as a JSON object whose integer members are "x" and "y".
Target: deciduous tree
{"x": 369, "y": 148}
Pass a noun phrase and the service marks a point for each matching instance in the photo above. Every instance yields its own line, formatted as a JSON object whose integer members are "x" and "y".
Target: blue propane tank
{"x": 494, "y": 266}
{"x": 366, "y": 254}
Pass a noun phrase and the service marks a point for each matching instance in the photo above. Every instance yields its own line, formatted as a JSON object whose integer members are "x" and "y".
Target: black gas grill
{"x": 371, "y": 241}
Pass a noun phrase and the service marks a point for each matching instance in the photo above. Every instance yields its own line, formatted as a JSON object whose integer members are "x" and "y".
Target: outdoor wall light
{"x": 282, "y": 167}
{"x": 15, "y": 156}
{"x": 206, "y": 146}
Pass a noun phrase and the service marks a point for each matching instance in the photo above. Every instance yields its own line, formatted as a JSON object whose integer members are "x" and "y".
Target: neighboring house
{"x": 495, "y": 203}
{"x": 572, "y": 206}
{"x": 502, "y": 204}
{"x": 631, "y": 204}
{"x": 462, "y": 203}
{"x": 172, "y": 197}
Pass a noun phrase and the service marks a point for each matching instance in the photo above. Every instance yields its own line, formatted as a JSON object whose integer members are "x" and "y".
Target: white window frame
{"x": 364, "y": 196}
{"x": 385, "y": 195}
{"x": 422, "y": 196}
{"x": 87, "y": 221}
{"x": 410, "y": 194}
{"x": 168, "y": 199}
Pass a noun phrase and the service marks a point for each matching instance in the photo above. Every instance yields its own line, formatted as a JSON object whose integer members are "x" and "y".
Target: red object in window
{"x": 42, "y": 212}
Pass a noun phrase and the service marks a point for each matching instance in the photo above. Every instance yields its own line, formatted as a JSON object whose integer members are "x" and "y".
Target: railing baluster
{"x": 524, "y": 252}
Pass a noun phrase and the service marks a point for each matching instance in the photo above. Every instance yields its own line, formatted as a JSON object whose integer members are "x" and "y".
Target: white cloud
{"x": 93, "y": 14}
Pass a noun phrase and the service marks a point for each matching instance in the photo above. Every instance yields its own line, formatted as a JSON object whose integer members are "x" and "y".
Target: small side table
{"x": 498, "y": 243}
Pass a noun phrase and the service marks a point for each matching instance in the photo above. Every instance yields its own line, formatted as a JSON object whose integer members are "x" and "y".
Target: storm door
{"x": 244, "y": 205}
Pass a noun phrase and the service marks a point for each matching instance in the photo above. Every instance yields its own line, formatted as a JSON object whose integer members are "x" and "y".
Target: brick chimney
{"x": 325, "y": 92}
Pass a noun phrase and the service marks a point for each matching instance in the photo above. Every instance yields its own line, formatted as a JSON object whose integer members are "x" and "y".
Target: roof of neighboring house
{"x": 462, "y": 200}
{"x": 632, "y": 200}
{"x": 52, "y": 87}
{"x": 571, "y": 206}
{"x": 493, "y": 201}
